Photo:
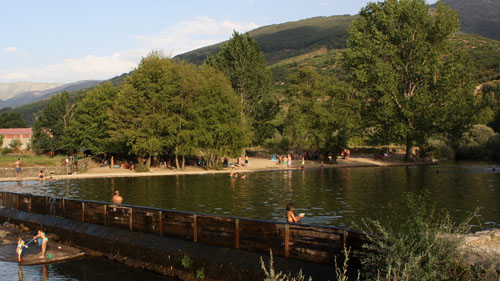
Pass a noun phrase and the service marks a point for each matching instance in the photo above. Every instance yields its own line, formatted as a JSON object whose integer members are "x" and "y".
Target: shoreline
{"x": 257, "y": 164}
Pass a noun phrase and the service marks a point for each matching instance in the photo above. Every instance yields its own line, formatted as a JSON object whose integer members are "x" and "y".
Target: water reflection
{"x": 338, "y": 197}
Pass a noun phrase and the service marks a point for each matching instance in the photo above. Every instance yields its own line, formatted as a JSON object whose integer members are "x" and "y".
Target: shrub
{"x": 141, "y": 168}
{"x": 271, "y": 274}
{"x": 428, "y": 248}
{"x": 439, "y": 149}
{"x": 6, "y": 150}
{"x": 493, "y": 147}
{"x": 472, "y": 145}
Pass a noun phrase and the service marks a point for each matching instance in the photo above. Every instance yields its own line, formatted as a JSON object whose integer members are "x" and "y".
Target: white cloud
{"x": 193, "y": 34}
{"x": 13, "y": 50}
{"x": 183, "y": 37}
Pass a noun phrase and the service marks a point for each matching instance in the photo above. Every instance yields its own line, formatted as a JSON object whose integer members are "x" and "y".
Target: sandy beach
{"x": 256, "y": 165}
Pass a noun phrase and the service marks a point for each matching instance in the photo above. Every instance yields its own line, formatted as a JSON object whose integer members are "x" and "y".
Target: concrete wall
{"x": 164, "y": 254}
{"x": 32, "y": 171}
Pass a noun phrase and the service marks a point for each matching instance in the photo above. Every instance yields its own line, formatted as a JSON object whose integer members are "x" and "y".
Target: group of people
{"x": 42, "y": 240}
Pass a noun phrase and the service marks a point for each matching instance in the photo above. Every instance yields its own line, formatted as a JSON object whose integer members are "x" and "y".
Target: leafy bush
{"x": 472, "y": 145}
{"x": 428, "y": 249}
{"x": 493, "y": 147}
{"x": 6, "y": 150}
{"x": 141, "y": 168}
{"x": 439, "y": 149}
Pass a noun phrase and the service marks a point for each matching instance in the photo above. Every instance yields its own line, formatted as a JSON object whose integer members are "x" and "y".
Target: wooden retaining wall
{"x": 300, "y": 241}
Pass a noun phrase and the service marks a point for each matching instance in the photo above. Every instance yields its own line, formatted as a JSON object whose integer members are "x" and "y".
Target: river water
{"x": 335, "y": 197}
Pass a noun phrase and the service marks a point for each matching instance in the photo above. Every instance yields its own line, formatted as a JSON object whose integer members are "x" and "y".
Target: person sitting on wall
{"x": 290, "y": 216}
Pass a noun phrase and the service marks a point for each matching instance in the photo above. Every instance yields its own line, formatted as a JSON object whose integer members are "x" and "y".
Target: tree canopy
{"x": 12, "y": 120}
{"x": 243, "y": 63}
{"x": 412, "y": 84}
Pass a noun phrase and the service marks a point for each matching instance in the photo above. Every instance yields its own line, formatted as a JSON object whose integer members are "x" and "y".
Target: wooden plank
{"x": 217, "y": 231}
{"x": 39, "y": 204}
{"x": 160, "y": 218}
{"x": 24, "y": 202}
{"x": 83, "y": 211}
{"x": 315, "y": 243}
{"x": 178, "y": 225}
{"x": 287, "y": 240}
{"x": 131, "y": 217}
{"x": 146, "y": 220}
{"x": 237, "y": 233}
{"x": 118, "y": 216}
{"x": 260, "y": 236}
{"x": 94, "y": 213}
{"x": 105, "y": 214}
{"x": 195, "y": 229}
{"x": 73, "y": 209}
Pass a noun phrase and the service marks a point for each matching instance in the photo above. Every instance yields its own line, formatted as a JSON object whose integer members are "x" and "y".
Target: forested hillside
{"x": 478, "y": 16}
{"x": 281, "y": 41}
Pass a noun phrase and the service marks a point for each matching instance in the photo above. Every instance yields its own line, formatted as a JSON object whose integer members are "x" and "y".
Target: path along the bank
{"x": 255, "y": 165}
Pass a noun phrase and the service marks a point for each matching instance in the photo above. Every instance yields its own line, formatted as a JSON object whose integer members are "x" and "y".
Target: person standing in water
{"x": 117, "y": 199}
{"x": 290, "y": 216}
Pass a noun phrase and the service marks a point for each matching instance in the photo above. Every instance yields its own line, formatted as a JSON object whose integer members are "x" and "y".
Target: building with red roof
{"x": 22, "y": 134}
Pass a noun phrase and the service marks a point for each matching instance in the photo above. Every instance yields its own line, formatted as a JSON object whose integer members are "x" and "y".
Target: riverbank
{"x": 255, "y": 165}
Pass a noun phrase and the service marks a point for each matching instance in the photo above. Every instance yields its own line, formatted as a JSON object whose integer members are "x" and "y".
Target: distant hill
{"x": 478, "y": 16}
{"x": 290, "y": 39}
{"x": 9, "y": 90}
{"x": 32, "y": 96}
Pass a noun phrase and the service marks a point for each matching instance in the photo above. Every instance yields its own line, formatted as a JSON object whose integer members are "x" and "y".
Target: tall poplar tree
{"x": 89, "y": 127}
{"x": 242, "y": 61}
{"x": 412, "y": 83}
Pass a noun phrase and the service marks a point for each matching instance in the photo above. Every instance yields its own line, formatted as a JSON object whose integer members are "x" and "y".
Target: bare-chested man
{"x": 117, "y": 199}
{"x": 18, "y": 165}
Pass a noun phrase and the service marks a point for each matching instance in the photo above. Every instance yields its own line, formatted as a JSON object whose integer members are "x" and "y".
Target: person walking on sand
{"x": 18, "y": 165}
{"x": 290, "y": 216}
{"x": 117, "y": 199}
{"x": 42, "y": 241}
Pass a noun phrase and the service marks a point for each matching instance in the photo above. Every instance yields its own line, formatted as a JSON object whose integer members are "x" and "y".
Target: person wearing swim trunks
{"x": 42, "y": 241}
{"x": 17, "y": 165}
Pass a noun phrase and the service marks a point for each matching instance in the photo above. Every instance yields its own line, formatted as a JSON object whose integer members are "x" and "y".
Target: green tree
{"x": 89, "y": 127}
{"x": 412, "y": 83}
{"x": 140, "y": 115}
{"x": 48, "y": 129}
{"x": 242, "y": 61}
{"x": 12, "y": 120}
{"x": 321, "y": 115}
{"x": 220, "y": 128}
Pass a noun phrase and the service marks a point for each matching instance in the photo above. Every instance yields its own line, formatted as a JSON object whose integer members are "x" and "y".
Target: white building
{"x": 22, "y": 134}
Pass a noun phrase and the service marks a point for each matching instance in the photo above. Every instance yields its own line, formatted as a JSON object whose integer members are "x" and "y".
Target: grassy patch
{"x": 7, "y": 161}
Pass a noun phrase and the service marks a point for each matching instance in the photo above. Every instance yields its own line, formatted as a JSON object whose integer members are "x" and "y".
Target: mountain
{"x": 290, "y": 39}
{"x": 9, "y": 90}
{"x": 32, "y": 96}
{"x": 478, "y": 16}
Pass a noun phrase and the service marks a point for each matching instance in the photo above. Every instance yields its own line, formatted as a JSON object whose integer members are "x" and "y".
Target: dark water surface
{"x": 336, "y": 197}
{"x": 88, "y": 269}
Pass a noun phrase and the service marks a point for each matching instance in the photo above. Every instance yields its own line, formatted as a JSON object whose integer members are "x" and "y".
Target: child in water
{"x": 19, "y": 248}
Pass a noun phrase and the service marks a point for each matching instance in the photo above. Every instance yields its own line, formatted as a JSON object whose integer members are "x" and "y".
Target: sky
{"x": 61, "y": 41}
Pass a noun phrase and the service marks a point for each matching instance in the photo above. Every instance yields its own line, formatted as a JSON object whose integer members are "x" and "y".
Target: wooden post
{"x": 46, "y": 203}
{"x": 105, "y": 216}
{"x": 345, "y": 236}
{"x": 63, "y": 208}
{"x": 195, "y": 229}
{"x": 237, "y": 233}
{"x": 161, "y": 223}
{"x": 17, "y": 201}
{"x": 287, "y": 240}
{"x": 83, "y": 211}
{"x": 130, "y": 219}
